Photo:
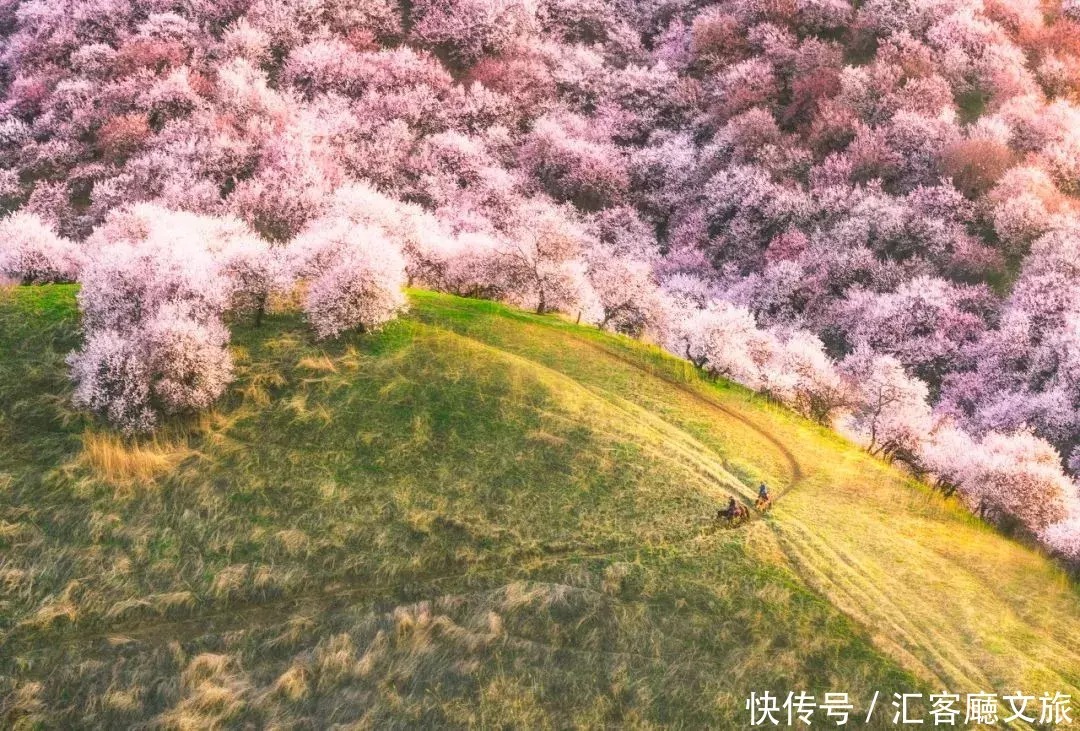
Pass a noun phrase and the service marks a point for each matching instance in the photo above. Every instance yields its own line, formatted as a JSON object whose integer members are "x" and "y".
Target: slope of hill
{"x": 477, "y": 516}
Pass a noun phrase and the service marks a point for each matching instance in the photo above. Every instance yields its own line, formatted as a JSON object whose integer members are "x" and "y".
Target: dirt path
{"x": 794, "y": 466}
{"x": 797, "y": 474}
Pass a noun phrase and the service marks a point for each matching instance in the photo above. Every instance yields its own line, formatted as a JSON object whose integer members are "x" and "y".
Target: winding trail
{"x": 794, "y": 466}
{"x": 797, "y": 474}
{"x": 342, "y": 592}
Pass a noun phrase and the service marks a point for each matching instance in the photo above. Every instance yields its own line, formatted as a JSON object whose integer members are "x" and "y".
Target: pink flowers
{"x": 540, "y": 262}
{"x": 172, "y": 363}
{"x": 723, "y": 340}
{"x": 1063, "y": 538}
{"x": 32, "y": 253}
{"x": 1014, "y": 479}
{"x": 467, "y": 30}
{"x": 355, "y": 277}
{"x": 890, "y": 410}
{"x": 112, "y": 378}
{"x": 153, "y": 295}
{"x": 773, "y": 186}
{"x": 158, "y": 284}
{"x": 627, "y": 293}
{"x": 575, "y": 163}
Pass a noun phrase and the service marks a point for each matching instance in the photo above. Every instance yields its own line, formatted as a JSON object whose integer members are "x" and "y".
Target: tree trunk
{"x": 260, "y": 310}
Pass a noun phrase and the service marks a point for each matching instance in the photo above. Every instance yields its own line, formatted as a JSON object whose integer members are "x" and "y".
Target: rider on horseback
{"x": 730, "y": 511}
{"x": 763, "y": 499}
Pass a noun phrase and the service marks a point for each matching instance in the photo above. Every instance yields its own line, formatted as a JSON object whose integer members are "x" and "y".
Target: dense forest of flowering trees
{"x": 866, "y": 210}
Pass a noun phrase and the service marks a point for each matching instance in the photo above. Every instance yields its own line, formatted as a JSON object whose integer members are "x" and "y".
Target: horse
{"x": 762, "y": 504}
{"x": 736, "y": 514}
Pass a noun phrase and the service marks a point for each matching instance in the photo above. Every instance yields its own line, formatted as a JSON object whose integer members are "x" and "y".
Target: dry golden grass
{"x": 214, "y": 693}
{"x": 230, "y": 580}
{"x": 294, "y": 683}
{"x": 319, "y": 364}
{"x": 159, "y": 605}
{"x": 293, "y": 541}
{"x": 123, "y": 464}
{"x": 59, "y": 609}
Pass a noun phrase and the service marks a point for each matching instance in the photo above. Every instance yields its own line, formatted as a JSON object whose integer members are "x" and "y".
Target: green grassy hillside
{"x": 477, "y": 517}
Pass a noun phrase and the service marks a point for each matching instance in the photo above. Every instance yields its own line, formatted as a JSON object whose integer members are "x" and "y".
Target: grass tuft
{"x": 122, "y": 463}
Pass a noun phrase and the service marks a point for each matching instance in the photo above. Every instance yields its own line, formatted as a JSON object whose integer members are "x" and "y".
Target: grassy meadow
{"x": 477, "y": 517}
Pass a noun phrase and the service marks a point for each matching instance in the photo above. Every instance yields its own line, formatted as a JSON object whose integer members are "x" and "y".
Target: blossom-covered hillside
{"x": 866, "y": 210}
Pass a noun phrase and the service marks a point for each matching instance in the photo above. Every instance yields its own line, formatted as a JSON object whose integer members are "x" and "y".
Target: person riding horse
{"x": 732, "y": 512}
{"x": 764, "y": 501}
